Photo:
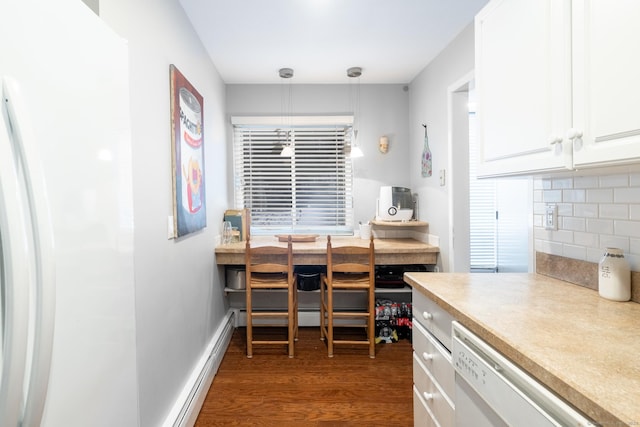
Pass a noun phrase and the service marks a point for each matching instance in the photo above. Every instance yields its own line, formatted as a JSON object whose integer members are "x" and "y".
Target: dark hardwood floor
{"x": 311, "y": 389}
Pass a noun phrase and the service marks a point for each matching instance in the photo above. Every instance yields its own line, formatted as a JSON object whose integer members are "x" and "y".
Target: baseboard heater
{"x": 190, "y": 400}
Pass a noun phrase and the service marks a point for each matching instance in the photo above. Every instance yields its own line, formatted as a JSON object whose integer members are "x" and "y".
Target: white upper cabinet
{"x": 606, "y": 90}
{"x": 522, "y": 85}
{"x": 555, "y": 83}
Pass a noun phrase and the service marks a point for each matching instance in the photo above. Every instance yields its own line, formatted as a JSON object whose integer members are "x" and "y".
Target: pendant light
{"x": 355, "y": 72}
{"x": 287, "y": 150}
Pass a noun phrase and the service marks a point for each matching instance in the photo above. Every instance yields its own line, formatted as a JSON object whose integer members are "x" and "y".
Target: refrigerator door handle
{"x": 14, "y": 292}
{"x": 44, "y": 287}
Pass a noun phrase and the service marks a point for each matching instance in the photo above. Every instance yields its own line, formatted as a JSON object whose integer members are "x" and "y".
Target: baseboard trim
{"x": 189, "y": 402}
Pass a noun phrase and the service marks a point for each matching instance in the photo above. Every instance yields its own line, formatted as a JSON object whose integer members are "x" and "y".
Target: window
{"x": 498, "y": 240}
{"x": 483, "y": 210}
{"x": 308, "y": 192}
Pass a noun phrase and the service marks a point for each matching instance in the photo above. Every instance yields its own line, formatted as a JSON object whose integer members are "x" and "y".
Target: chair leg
{"x": 371, "y": 332}
{"x": 291, "y": 326}
{"x": 321, "y": 308}
{"x": 249, "y": 323}
{"x": 295, "y": 314}
{"x": 330, "y": 320}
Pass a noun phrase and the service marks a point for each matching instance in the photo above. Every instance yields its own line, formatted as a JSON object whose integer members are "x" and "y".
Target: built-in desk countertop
{"x": 388, "y": 251}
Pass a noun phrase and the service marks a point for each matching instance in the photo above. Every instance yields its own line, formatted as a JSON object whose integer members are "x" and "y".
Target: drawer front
{"x": 433, "y": 317}
{"x": 433, "y": 397}
{"x": 421, "y": 415}
{"x": 435, "y": 358}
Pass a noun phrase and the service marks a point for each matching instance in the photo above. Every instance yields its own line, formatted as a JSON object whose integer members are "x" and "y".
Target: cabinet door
{"x": 523, "y": 86}
{"x": 606, "y": 92}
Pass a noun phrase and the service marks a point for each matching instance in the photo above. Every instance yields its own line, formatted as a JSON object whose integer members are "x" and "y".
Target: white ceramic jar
{"x": 614, "y": 276}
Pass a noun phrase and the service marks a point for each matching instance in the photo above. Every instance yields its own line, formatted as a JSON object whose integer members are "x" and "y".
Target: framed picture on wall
{"x": 187, "y": 156}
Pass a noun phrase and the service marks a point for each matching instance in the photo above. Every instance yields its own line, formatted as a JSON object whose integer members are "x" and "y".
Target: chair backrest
{"x": 269, "y": 259}
{"x": 350, "y": 259}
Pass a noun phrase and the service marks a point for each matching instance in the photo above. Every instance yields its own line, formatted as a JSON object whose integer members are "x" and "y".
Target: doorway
{"x": 490, "y": 219}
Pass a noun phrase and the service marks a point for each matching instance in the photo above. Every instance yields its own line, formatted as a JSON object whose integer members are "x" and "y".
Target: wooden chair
{"x": 348, "y": 268}
{"x": 271, "y": 268}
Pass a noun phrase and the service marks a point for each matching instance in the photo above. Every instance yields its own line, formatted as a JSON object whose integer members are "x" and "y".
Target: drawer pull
{"x": 427, "y": 356}
{"x": 427, "y": 396}
{"x": 426, "y": 315}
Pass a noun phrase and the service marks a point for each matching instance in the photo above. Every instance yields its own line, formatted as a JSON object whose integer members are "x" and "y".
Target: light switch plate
{"x": 551, "y": 217}
{"x": 442, "y": 177}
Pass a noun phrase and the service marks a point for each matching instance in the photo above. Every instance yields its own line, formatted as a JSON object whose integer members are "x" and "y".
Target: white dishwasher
{"x": 491, "y": 391}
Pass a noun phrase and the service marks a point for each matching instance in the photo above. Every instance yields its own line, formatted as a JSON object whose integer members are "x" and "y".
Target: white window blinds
{"x": 308, "y": 192}
{"x": 482, "y": 203}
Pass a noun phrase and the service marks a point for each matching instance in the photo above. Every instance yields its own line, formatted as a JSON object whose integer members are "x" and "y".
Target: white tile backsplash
{"x": 585, "y": 182}
{"x": 550, "y": 196}
{"x": 537, "y": 196}
{"x": 573, "y": 196}
{"x": 617, "y": 211}
{"x": 586, "y": 239}
{"x": 585, "y": 210}
{"x": 600, "y": 226}
{"x": 626, "y": 195}
{"x": 548, "y": 247}
{"x": 562, "y": 183}
{"x": 542, "y": 233}
{"x": 633, "y": 260}
{"x": 614, "y": 181}
{"x": 574, "y": 224}
{"x": 610, "y": 241}
{"x": 626, "y": 228}
{"x": 594, "y": 254}
{"x": 600, "y": 195}
{"x": 594, "y": 212}
{"x": 562, "y": 236}
{"x": 574, "y": 251}
{"x": 539, "y": 208}
{"x": 537, "y": 221}
{"x": 565, "y": 209}
{"x": 542, "y": 184}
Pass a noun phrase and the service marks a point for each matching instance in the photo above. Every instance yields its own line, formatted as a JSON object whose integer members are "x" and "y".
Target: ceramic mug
{"x": 365, "y": 231}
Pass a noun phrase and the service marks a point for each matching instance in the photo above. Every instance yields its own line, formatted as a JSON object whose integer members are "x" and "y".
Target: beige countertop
{"x": 582, "y": 346}
{"x": 388, "y": 251}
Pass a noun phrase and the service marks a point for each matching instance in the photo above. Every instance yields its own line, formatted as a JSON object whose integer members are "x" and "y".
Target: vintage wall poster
{"x": 187, "y": 140}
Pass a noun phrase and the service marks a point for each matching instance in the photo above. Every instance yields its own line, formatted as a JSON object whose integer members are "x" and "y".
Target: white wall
{"x": 179, "y": 297}
{"x": 428, "y": 104}
{"x": 384, "y": 111}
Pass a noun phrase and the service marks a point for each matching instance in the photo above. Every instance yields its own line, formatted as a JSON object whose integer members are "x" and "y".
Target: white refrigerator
{"x": 67, "y": 307}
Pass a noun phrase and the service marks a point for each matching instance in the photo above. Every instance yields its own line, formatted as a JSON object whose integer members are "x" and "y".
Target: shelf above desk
{"x": 400, "y": 223}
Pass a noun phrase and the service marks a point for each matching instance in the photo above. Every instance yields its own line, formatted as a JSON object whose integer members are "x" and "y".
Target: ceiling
{"x": 392, "y": 40}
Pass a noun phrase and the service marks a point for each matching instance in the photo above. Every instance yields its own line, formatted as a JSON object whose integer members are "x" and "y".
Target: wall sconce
{"x": 383, "y": 144}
